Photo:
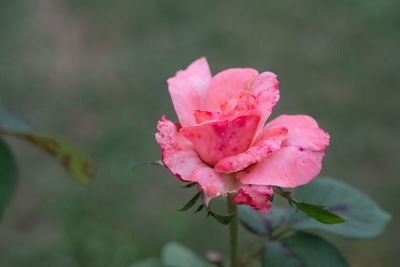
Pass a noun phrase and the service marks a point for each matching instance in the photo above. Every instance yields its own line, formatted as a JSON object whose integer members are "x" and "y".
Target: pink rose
{"x": 221, "y": 142}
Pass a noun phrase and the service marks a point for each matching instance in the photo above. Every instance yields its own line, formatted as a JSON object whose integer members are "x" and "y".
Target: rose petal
{"x": 265, "y": 88}
{"x": 178, "y": 154}
{"x": 214, "y": 184}
{"x": 188, "y": 90}
{"x": 226, "y": 84}
{"x": 215, "y": 140}
{"x": 202, "y": 116}
{"x": 287, "y": 167}
{"x": 269, "y": 141}
{"x": 242, "y": 104}
{"x": 304, "y": 132}
{"x": 256, "y": 196}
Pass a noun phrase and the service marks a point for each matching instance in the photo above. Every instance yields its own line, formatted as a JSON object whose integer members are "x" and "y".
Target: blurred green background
{"x": 94, "y": 72}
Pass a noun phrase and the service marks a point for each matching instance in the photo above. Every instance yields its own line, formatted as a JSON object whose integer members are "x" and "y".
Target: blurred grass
{"x": 95, "y": 71}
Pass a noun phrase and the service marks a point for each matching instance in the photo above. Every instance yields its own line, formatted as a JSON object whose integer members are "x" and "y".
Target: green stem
{"x": 233, "y": 227}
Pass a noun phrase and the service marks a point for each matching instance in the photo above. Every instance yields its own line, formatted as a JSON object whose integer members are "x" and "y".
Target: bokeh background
{"x": 94, "y": 72}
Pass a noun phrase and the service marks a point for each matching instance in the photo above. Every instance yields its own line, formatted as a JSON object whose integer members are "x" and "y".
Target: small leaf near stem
{"x": 365, "y": 218}
{"x": 318, "y": 212}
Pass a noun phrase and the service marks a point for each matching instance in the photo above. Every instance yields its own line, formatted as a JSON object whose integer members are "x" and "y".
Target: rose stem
{"x": 233, "y": 227}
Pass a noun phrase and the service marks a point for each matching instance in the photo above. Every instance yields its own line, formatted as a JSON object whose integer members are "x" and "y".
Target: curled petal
{"x": 287, "y": 167}
{"x": 226, "y": 84}
{"x": 243, "y": 103}
{"x": 188, "y": 90}
{"x": 265, "y": 88}
{"x": 178, "y": 154}
{"x": 256, "y": 196}
{"x": 265, "y": 81}
{"x": 215, "y": 140}
{"x": 304, "y": 132}
{"x": 269, "y": 141}
{"x": 214, "y": 184}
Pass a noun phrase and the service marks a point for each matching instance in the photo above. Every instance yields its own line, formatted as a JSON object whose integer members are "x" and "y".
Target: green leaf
{"x": 8, "y": 173}
{"x": 148, "y": 263}
{"x": 77, "y": 163}
{"x": 364, "y": 218}
{"x": 302, "y": 249}
{"x": 190, "y": 202}
{"x": 223, "y": 219}
{"x": 174, "y": 254}
{"x": 260, "y": 223}
{"x": 319, "y": 213}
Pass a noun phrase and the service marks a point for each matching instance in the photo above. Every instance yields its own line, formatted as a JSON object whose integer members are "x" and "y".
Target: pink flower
{"x": 221, "y": 142}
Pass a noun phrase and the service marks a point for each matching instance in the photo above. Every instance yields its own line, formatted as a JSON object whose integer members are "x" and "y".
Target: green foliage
{"x": 301, "y": 249}
{"x": 76, "y": 162}
{"x": 174, "y": 254}
{"x": 8, "y": 173}
{"x": 364, "y": 218}
{"x": 260, "y": 223}
{"x": 147, "y": 263}
{"x": 319, "y": 212}
{"x": 223, "y": 219}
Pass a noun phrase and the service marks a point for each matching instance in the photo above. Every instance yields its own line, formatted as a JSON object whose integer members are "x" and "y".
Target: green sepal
{"x": 223, "y": 219}
{"x": 199, "y": 208}
{"x": 189, "y": 185}
{"x": 190, "y": 203}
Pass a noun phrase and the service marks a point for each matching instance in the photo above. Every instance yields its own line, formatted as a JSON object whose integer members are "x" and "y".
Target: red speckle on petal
{"x": 178, "y": 125}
